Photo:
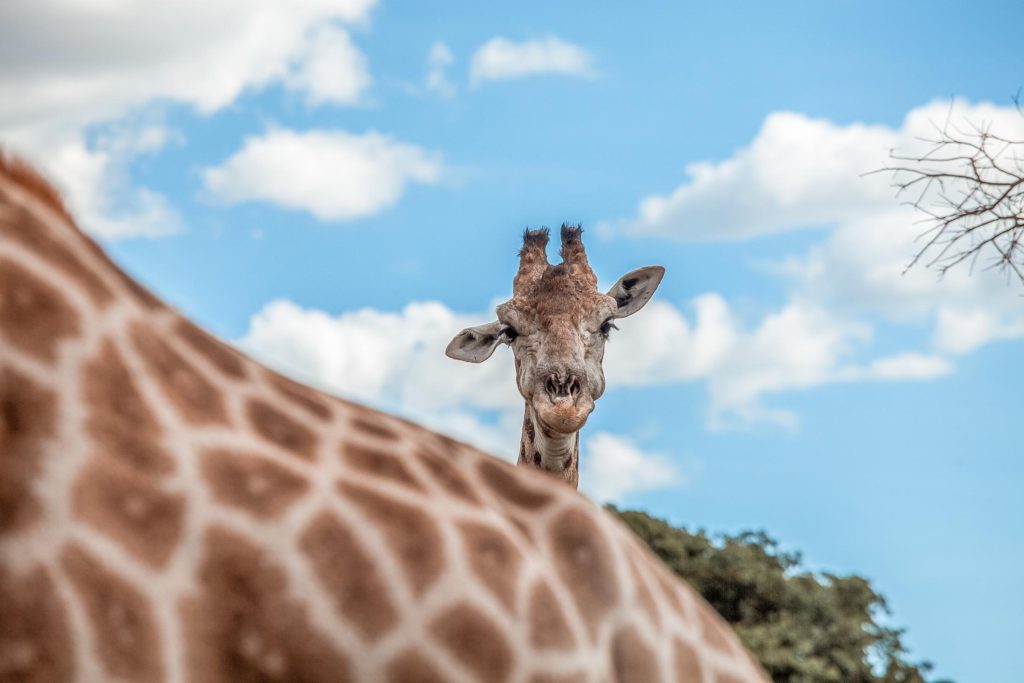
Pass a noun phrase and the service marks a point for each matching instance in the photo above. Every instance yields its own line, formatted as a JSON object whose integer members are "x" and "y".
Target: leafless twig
{"x": 969, "y": 185}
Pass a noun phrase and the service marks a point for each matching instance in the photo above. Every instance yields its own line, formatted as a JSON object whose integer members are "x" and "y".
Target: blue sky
{"x": 340, "y": 189}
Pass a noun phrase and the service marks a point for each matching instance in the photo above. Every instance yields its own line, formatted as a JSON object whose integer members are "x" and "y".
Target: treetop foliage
{"x": 803, "y": 627}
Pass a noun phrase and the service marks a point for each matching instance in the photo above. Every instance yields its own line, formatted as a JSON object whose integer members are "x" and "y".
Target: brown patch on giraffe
{"x": 278, "y": 428}
{"x": 475, "y": 641}
{"x": 26, "y": 229}
{"x": 119, "y": 422}
{"x": 687, "y": 663}
{"x": 373, "y": 427}
{"x": 548, "y": 627}
{"x": 713, "y": 630}
{"x": 349, "y": 576}
{"x": 223, "y": 357}
{"x": 410, "y": 533}
{"x": 377, "y": 464}
{"x": 301, "y": 395}
{"x": 583, "y": 560}
{"x": 242, "y": 625}
{"x": 412, "y": 666}
{"x": 256, "y": 484}
{"x": 35, "y": 644}
{"x": 494, "y": 559}
{"x": 508, "y": 484}
{"x": 27, "y": 420}
{"x": 34, "y": 316}
{"x": 446, "y": 474}
{"x": 125, "y": 633}
{"x": 198, "y": 401}
{"x": 632, "y": 660}
{"x": 146, "y": 521}
{"x": 643, "y": 592}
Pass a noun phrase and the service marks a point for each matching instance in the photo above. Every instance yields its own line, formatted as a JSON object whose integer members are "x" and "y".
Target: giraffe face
{"x": 557, "y": 324}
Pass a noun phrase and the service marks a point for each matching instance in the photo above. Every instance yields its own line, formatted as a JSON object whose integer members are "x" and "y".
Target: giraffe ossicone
{"x": 557, "y": 323}
{"x": 172, "y": 511}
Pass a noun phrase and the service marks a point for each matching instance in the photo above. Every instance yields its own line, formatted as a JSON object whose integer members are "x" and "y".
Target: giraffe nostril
{"x": 551, "y": 386}
{"x": 557, "y": 387}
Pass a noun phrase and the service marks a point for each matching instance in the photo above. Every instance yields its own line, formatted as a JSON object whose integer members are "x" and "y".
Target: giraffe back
{"x": 171, "y": 510}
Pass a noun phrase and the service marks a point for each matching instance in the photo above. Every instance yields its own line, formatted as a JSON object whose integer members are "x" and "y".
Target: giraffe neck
{"x": 558, "y": 454}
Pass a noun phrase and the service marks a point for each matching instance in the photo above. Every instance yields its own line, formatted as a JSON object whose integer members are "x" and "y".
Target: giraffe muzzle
{"x": 564, "y": 404}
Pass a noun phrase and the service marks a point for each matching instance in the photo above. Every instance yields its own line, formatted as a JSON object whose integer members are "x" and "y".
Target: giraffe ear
{"x": 475, "y": 344}
{"x": 635, "y": 288}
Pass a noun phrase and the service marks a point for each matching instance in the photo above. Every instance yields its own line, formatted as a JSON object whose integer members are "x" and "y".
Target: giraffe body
{"x": 172, "y": 511}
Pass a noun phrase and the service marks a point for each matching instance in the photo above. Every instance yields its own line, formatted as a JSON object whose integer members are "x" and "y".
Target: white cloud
{"x": 502, "y": 59}
{"x": 395, "y": 357}
{"x": 613, "y": 467}
{"x": 94, "y": 177}
{"x": 794, "y": 348}
{"x": 962, "y": 331}
{"x": 902, "y": 366}
{"x": 800, "y": 172}
{"x": 335, "y": 175}
{"x": 439, "y": 59}
{"x": 332, "y": 70}
{"x": 862, "y": 266}
{"x": 661, "y": 345}
{"x": 114, "y": 56}
{"x": 861, "y": 269}
{"x": 118, "y": 58}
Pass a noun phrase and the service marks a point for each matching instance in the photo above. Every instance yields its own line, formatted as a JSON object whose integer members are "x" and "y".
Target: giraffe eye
{"x": 606, "y": 328}
{"x": 509, "y": 333}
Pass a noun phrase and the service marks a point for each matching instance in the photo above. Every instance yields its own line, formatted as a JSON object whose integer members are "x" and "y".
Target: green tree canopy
{"x": 804, "y": 627}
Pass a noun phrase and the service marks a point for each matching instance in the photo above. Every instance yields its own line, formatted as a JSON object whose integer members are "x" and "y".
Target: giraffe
{"x": 556, "y": 324}
{"x": 171, "y": 510}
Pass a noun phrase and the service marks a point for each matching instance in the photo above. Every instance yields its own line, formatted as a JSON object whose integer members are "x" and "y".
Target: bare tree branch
{"x": 969, "y": 185}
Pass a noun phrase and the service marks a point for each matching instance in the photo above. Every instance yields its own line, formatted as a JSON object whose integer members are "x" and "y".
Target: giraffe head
{"x": 557, "y": 323}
